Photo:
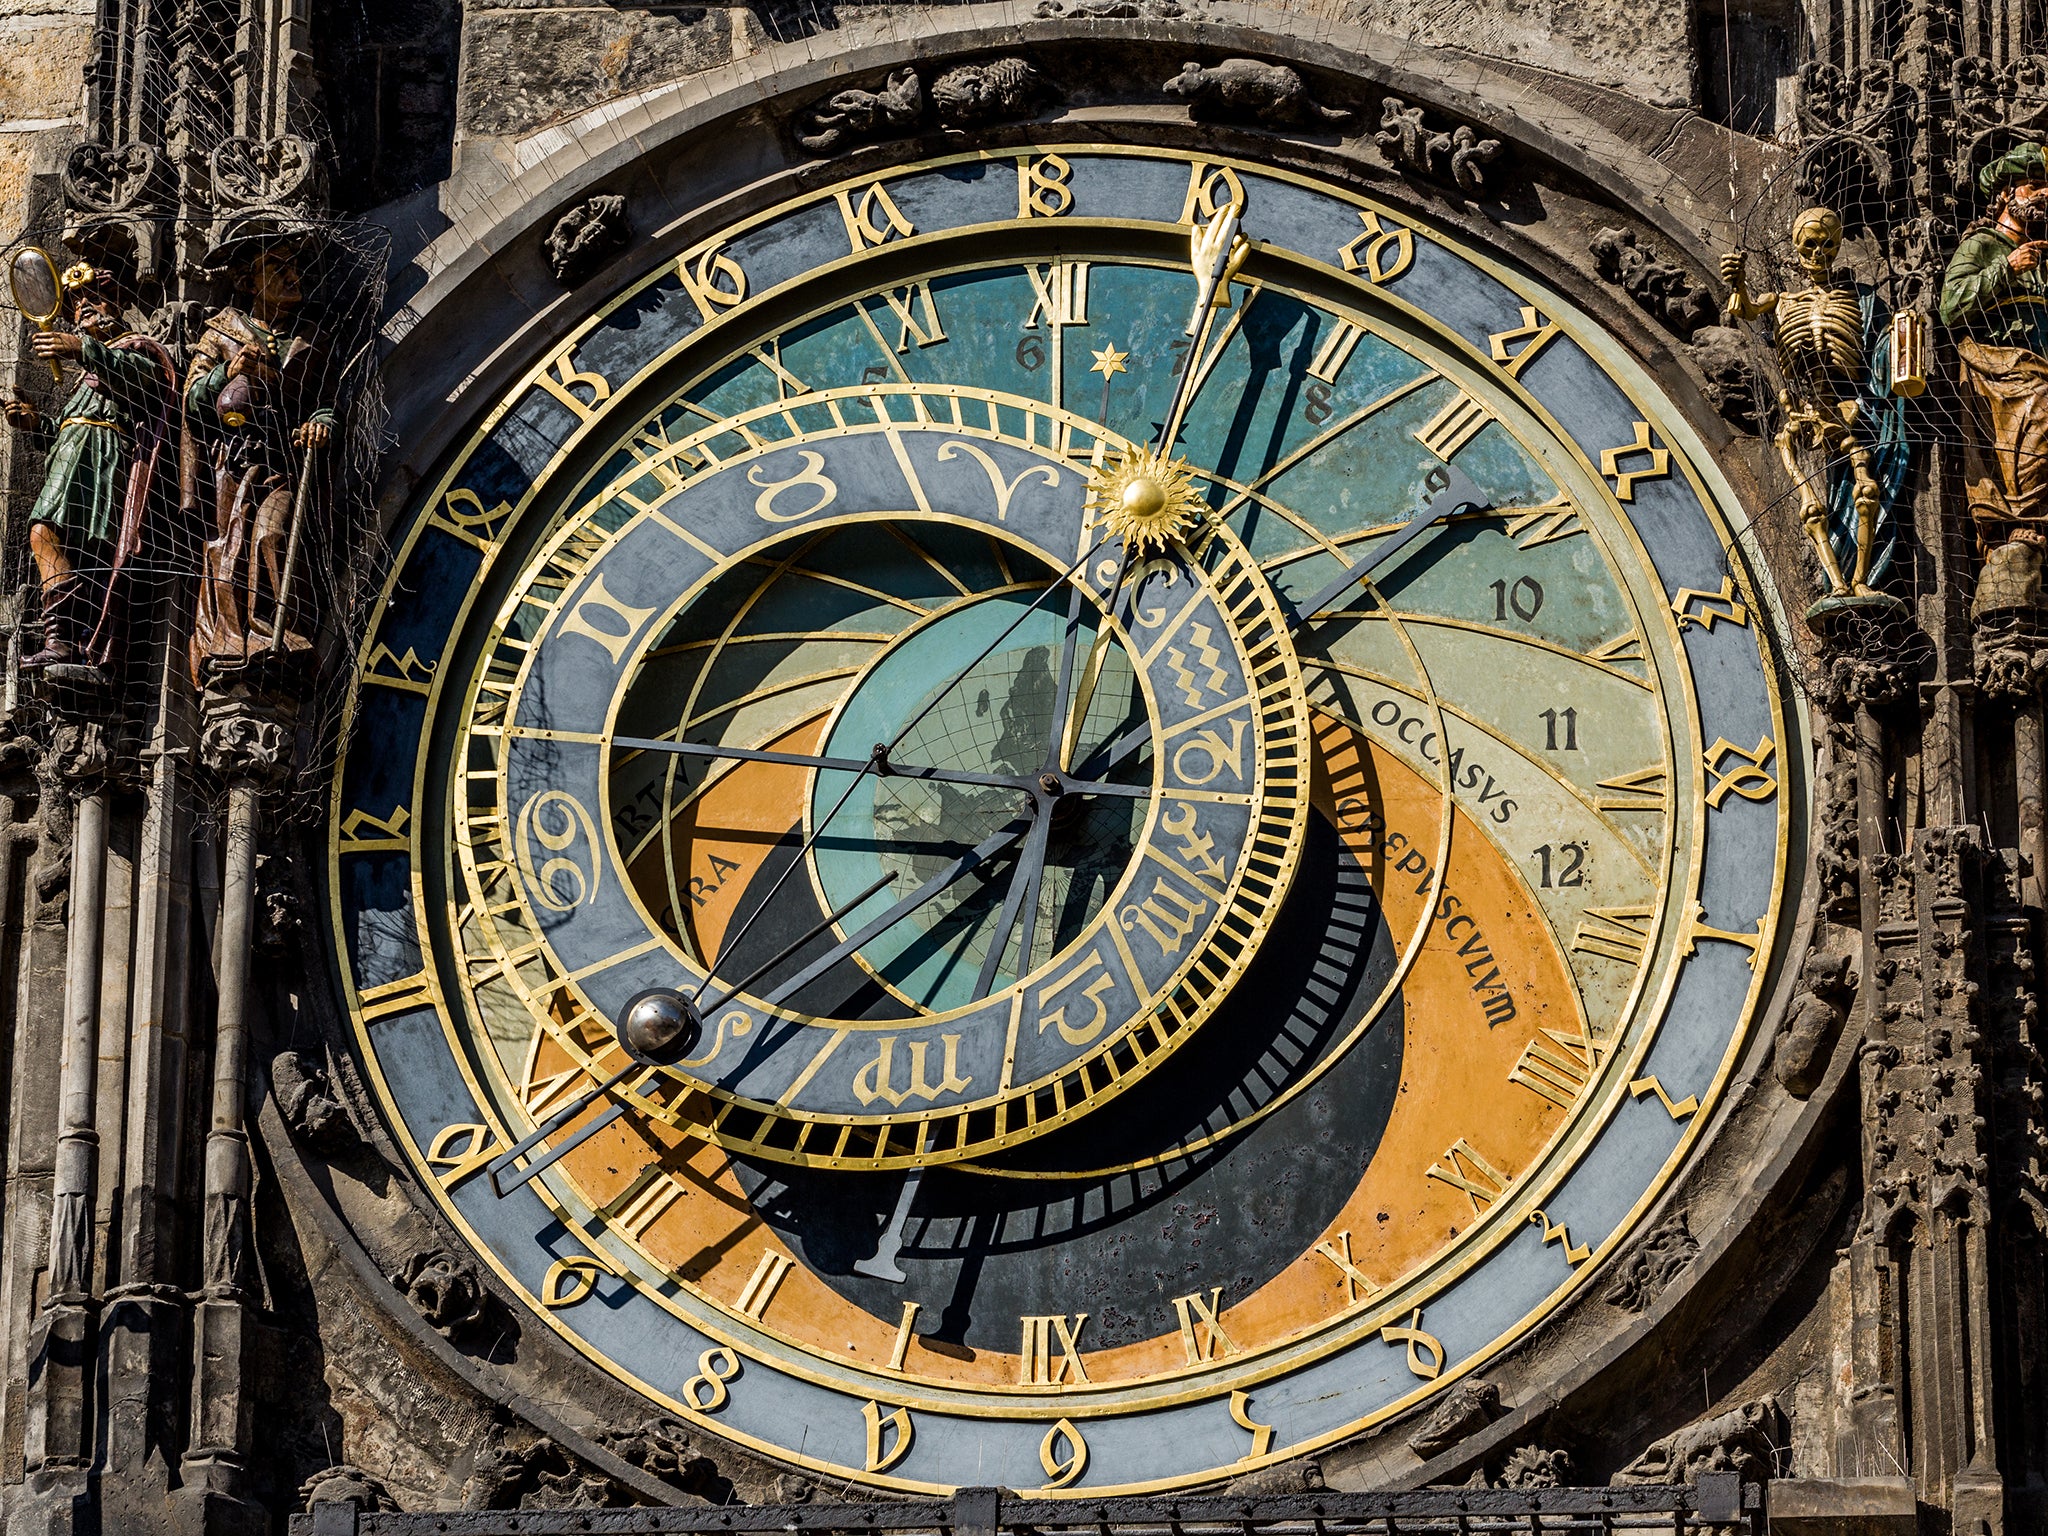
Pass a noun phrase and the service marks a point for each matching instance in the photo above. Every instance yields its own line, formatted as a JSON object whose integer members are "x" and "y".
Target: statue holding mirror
{"x": 91, "y": 517}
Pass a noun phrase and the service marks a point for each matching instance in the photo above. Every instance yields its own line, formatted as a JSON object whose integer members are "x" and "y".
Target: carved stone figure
{"x": 853, "y": 116}
{"x": 260, "y": 408}
{"x": 662, "y": 1448}
{"x": 1995, "y": 295}
{"x": 1470, "y": 1407}
{"x": 348, "y": 1485}
{"x": 1251, "y": 91}
{"x": 1663, "y": 1255}
{"x": 585, "y": 236}
{"x": 1742, "y": 1441}
{"x": 1805, "y": 1039}
{"x": 306, "y": 1101}
{"x": 446, "y": 1291}
{"x": 1662, "y": 288}
{"x": 1534, "y": 1466}
{"x": 91, "y": 519}
{"x": 536, "y": 1475}
{"x": 1112, "y": 10}
{"x": 1833, "y": 345}
{"x": 987, "y": 92}
{"x": 1458, "y": 157}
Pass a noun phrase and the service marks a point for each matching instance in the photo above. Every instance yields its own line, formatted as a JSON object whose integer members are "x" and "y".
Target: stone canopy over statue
{"x": 1843, "y": 440}
{"x": 1995, "y": 296}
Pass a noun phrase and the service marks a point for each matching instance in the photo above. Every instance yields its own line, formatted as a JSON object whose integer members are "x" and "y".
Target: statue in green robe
{"x": 90, "y": 518}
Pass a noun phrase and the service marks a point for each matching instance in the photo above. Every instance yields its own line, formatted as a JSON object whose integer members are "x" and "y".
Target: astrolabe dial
{"x": 948, "y": 820}
{"x": 1221, "y": 835}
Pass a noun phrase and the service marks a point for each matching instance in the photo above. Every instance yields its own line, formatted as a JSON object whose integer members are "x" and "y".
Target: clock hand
{"x": 1021, "y": 896}
{"x": 885, "y": 768}
{"x": 561, "y": 1117}
{"x": 1456, "y": 494}
{"x": 969, "y": 861}
{"x": 1216, "y": 251}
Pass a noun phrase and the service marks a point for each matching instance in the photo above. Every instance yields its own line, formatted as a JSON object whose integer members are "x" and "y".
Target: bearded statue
{"x": 1995, "y": 296}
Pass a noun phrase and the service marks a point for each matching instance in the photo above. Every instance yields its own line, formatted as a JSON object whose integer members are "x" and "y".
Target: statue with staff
{"x": 259, "y": 401}
{"x": 92, "y": 517}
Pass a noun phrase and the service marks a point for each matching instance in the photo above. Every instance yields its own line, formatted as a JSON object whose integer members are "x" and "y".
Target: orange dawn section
{"x": 1454, "y": 1079}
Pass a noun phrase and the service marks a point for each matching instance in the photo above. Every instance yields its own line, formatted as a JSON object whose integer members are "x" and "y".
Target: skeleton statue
{"x": 1833, "y": 344}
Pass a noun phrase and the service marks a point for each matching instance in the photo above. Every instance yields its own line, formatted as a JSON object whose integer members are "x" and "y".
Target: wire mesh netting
{"x": 189, "y": 498}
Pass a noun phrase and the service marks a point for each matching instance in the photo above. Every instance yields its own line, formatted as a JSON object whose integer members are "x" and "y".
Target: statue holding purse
{"x": 259, "y": 406}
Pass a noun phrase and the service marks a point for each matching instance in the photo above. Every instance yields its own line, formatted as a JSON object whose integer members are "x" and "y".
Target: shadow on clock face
{"x": 980, "y": 1250}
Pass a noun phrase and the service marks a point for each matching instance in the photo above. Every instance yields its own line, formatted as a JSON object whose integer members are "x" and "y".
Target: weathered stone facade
{"x": 222, "y": 1297}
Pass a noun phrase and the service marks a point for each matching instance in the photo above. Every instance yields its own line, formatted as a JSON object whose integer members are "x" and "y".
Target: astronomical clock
{"x": 1074, "y": 817}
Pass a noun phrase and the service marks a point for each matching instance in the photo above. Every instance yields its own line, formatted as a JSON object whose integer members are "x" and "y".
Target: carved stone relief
{"x": 966, "y": 96}
{"x": 1664, "y": 1254}
{"x": 1470, "y": 1407}
{"x": 1806, "y": 1038}
{"x": 447, "y": 1293}
{"x": 1251, "y": 91}
{"x": 1456, "y": 156}
{"x": 1743, "y": 1440}
{"x": 1661, "y": 287}
{"x": 585, "y": 237}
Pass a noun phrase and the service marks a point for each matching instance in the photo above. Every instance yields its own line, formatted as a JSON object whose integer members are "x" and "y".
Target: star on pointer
{"x": 1108, "y": 361}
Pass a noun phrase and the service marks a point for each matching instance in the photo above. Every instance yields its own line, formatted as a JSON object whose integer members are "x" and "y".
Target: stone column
{"x": 59, "y": 1434}
{"x": 247, "y": 743}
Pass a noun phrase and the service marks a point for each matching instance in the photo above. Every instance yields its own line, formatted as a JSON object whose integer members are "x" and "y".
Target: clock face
{"x": 1157, "y": 1008}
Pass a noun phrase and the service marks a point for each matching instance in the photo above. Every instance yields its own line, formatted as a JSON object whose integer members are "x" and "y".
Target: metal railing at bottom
{"x": 1717, "y": 1502}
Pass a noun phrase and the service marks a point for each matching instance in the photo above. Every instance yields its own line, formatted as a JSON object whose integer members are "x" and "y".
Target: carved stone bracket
{"x": 247, "y": 739}
{"x": 347, "y": 1485}
{"x": 1812, "y": 1023}
{"x": 1252, "y": 92}
{"x": 1456, "y": 156}
{"x": 308, "y": 1104}
{"x": 1664, "y": 1254}
{"x": 968, "y": 95}
{"x": 1742, "y": 1441}
{"x": 1468, "y": 1408}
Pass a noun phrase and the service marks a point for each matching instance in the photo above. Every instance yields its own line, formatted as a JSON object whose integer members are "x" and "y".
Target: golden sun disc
{"x": 1149, "y": 501}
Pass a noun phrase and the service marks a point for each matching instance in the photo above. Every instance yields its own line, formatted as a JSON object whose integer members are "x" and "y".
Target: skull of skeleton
{"x": 1816, "y": 242}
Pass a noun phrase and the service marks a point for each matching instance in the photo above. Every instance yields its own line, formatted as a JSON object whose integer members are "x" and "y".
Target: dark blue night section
{"x": 971, "y": 192}
{"x": 440, "y": 571}
{"x": 638, "y": 332}
{"x": 534, "y": 431}
{"x": 494, "y": 474}
{"x": 376, "y": 917}
{"x": 790, "y": 247}
{"x": 383, "y": 753}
